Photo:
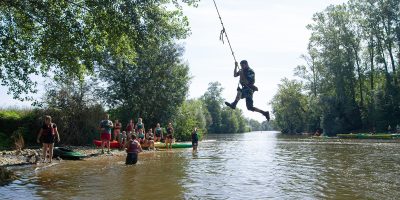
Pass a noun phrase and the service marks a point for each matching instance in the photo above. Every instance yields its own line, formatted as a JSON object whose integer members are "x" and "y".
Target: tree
{"x": 289, "y": 107}
{"x": 191, "y": 114}
{"x": 213, "y": 101}
{"x": 255, "y": 125}
{"x": 153, "y": 88}
{"x": 74, "y": 109}
{"x": 352, "y": 52}
{"x": 73, "y": 37}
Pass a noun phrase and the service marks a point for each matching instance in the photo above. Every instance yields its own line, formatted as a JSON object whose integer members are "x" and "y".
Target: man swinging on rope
{"x": 247, "y": 79}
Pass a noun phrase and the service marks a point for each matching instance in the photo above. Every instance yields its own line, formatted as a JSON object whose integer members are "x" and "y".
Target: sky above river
{"x": 270, "y": 34}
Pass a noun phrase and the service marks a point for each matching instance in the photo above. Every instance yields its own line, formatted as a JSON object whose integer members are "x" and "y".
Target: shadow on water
{"x": 255, "y": 165}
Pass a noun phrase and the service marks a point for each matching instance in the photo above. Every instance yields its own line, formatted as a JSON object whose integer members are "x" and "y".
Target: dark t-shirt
{"x": 195, "y": 137}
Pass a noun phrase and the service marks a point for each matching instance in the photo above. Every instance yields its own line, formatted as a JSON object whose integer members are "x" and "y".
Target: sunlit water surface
{"x": 257, "y": 165}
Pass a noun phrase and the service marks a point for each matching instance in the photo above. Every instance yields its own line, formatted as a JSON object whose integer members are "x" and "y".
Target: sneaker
{"x": 233, "y": 106}
{"x": 102, "y": 151}
{"x": 266, "y": 114}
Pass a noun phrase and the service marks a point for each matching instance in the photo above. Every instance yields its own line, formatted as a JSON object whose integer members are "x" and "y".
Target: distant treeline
{"x": 77, "y": 117}
{"x": 350, "y": 81}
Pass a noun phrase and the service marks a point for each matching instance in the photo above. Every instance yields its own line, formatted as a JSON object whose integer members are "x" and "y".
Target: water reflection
{"x": 251, "y": 166}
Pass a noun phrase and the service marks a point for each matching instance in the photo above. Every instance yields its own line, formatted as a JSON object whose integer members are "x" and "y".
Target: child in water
{"x": 133, "y": 148}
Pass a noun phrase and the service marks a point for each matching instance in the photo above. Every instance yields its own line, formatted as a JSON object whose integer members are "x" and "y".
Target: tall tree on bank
{"x": 335, "y": 41}
{"x": 213, "y": 100}
{"x": 351, "y": 72}
{"x": 71, "y": 37}
{"x": 153, "y": 88}
{"x": 289, "y": 107}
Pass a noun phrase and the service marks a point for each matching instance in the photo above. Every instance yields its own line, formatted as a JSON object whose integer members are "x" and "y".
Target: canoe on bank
{"x": 67, "y": 154}
{"x": 322, "y": 137}
{"x": 368, "y": 136}
{"x": 174, "y": 145}
{"x": 113, "y": 144}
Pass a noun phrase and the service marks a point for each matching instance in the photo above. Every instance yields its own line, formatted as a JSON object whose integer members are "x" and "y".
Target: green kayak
{"x": 67, "y": 154}
{"x": 174, "y": 145}
{"x": 368, "y": 136}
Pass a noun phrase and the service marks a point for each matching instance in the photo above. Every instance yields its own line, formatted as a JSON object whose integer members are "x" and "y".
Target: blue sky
{"x": 270, "y": 34}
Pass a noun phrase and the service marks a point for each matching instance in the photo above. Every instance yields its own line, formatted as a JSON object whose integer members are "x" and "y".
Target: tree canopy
{"x": 49, "y": 38}
{"x": 352, "y": 70}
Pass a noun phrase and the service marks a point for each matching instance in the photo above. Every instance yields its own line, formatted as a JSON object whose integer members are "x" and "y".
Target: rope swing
{"x": 223, "y": 31}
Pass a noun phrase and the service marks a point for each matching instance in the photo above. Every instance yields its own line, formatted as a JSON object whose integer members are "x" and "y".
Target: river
{"x": 256, "y": 165}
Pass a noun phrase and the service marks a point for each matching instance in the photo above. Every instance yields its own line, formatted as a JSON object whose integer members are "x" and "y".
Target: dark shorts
{"x": 248, "y": 94}
{"x": 48, "y": 139}
{"x": 131, "y": 158}
{"x": 169, "y": 136}
{"x": 195, "y": 143}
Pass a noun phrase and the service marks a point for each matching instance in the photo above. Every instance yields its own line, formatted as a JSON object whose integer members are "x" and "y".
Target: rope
{"x": 221, "y": 37}
{"x": 223, "y": 31}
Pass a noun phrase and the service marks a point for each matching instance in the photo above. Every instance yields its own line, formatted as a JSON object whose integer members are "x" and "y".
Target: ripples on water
{"x": 255, "y": 165}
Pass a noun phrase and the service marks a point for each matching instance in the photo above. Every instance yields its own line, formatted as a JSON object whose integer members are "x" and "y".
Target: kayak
{"x": 174, "y": 145}
{"x": 369, "y": 136}
{"x": 67, "y": 154}
{"x": 322, "y": 137}
{"x": 113, "y": 144}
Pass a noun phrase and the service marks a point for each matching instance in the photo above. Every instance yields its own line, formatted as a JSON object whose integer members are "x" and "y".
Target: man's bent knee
{"x": 251, "y": 109}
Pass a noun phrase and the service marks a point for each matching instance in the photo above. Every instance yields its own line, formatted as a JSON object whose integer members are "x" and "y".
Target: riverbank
{"x": 32, "y": 155}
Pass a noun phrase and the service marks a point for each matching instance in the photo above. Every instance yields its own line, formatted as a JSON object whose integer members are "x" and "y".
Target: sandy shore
{"x": 29, "y": 156}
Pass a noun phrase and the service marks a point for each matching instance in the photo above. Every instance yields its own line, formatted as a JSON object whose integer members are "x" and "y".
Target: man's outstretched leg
{"x": 238, "y": 96}
{"x": 265, "y": 113}
{"x": 250, "y": 106}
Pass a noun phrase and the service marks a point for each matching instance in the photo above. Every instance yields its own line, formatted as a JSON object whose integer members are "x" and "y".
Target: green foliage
{"x": 152, "y": 89}
{"x": 351, "y": 72}
{"x": 255, "y": 125}
{"x": 74, "y": 109}
{"x": 213, "y": 101}
{"x": 12, "y": 120}
{"x": 222, "y": 119}
{"x": 72, "y": 37}
{"x": 189, "y": 116}
{"x": 5, "y": 141}
{"x": 289, "y": 107}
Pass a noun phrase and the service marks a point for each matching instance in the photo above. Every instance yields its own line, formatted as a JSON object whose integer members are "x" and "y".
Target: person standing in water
{"x": 195, "y": 139}
{"x": 47, "y": 135}
{"x": 170, "y": 136}
{"x": 133, "y": 149}
{"x": 105, "y": 127}
{"x": 247, "y": 79}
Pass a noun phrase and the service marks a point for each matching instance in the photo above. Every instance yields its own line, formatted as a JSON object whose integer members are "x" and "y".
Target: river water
{"x": 256, "y": 165}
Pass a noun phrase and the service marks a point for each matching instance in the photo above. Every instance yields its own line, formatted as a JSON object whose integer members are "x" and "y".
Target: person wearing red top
{"x": 133, "y": 148}
{"x": 129, "y": 128}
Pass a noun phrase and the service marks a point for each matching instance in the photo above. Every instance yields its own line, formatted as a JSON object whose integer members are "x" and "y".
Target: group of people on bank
{"x": 132, "y": 139}
{"x": 145, "y": 138}
{"x": 135, "y": 137}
